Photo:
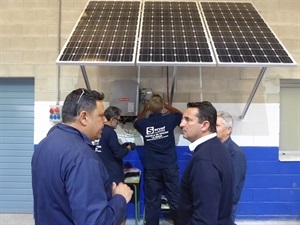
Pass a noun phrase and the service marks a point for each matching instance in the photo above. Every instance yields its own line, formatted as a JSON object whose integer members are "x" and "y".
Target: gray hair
{"x": 228, "y": 120}
{"x": 112, "y": 111}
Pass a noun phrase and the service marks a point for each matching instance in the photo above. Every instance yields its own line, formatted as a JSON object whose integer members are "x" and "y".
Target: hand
{"x": 125, "y": 144}
{"x": 146, "y": 107}
{"x": 122, "y": 189}
{"x": 131, "y": 145}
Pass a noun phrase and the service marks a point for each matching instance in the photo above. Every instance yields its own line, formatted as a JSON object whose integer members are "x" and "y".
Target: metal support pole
{"x": 137, "y": 109}
{"x": 173, "y": 85}
{"x": 58, "y": 51}
{"x": 254, "y": 89}
{"x": 85, "y": 77}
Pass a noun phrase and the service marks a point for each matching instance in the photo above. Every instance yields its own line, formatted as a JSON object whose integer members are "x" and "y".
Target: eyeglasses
{"x": 82, "y": 93}
{"x": 117, "y": 119}
{"x": 75, "y": 108}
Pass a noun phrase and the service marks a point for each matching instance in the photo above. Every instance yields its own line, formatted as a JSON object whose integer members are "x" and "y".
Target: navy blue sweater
{"x": 206, "y": 186}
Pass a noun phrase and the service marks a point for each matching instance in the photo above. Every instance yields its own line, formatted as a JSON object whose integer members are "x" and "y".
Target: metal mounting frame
{"x": 242, "y": 116}
{"x": 252, "y": 94}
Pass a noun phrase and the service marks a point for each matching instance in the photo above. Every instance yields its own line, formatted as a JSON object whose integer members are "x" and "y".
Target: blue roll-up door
{"x": 16, "y": 144}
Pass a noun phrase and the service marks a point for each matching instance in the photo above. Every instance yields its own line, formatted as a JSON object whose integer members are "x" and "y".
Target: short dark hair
{"x": 78, "y": 100}
{"x": 112, "y": 111}
{"x": 206, "y": 111}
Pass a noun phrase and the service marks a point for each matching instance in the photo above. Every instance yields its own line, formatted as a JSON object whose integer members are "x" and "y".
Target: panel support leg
{"x": 254, "y": 89}
{"x": 173, "y": 85}
{"x": 85, "y": 77}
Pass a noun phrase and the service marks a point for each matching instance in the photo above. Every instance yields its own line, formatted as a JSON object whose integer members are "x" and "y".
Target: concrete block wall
{"x": 29, "y": 47}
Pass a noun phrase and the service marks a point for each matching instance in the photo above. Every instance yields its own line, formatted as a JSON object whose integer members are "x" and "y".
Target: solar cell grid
{"x": 105, "y": 33}
{"x": 173, "y": 33}
{"x": 240, "y": 36}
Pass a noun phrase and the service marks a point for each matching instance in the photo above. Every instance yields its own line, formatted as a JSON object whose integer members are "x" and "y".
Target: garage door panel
{"x": 16, "y": 114}
{"x": 15, "y": 126}
{"x": 16, "y": 101}
{"x": 15, "y": 172}
{"x": 17, "y": 134}
{"x": 24, "y": 140}
{"x": 13, "y": 192}
{"x": 17, "y": 144}
{"x": 16, "y": 150}
{"x": 13, "y": 120}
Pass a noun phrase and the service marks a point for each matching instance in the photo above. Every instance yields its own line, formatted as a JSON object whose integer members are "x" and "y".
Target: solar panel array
{"x": 106, "y": 33}
{"x": 173, "y": 33}
{"x": 240, "y": 35}
{"x": 178, "y": 33}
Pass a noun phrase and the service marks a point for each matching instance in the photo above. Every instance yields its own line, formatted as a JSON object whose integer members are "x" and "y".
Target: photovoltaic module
{"x": 173, "y": 33}
{"x": 241, "y": 37}
{"x": 106, "y": 33}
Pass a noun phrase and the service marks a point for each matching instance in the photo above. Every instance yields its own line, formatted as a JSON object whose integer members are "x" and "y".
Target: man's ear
{"x": 206, "y": 125}
{"x": 229, "y": 130}
{"x": 83, "y": 117}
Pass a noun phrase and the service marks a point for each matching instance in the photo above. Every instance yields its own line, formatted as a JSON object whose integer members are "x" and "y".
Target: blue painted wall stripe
{"x": 272, "y": 188}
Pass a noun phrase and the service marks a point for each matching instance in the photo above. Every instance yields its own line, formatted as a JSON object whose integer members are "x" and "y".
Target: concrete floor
{"x": 27, "y": 219}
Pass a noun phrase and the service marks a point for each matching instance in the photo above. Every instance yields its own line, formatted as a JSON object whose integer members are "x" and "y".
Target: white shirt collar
{"x": 199, "y": 141}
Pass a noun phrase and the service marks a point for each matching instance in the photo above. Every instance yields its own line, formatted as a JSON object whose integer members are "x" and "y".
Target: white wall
{"x": 260, "y": 127}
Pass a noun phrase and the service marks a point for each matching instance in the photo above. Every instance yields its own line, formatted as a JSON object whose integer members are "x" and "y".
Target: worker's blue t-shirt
{"x": 159, "y": 141}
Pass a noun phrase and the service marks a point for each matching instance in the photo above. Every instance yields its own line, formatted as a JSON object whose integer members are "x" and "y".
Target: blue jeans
{"x": 156, "y": 183}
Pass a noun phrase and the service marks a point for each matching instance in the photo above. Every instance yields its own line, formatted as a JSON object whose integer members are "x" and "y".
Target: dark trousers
{"x": 156, "y": 183}
{"x": 234, "y": 208}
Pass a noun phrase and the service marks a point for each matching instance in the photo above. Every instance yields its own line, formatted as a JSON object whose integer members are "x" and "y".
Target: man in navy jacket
{"x": 70, "y": 183}
{"x": 207, "y": 182}
{"x": 224, "y": 130}
{"x": 110, "y": 151}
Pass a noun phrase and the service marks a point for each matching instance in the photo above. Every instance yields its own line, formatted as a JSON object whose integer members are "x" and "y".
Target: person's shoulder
{"x": 177, "y": 114}
{"x": 139, "y": 121}
{"x": 235, "y": 146}
{"x": 238, "y": 151}
{"x": 232, "y": 144}
{"x": 52, "y": 129}
{"x": 173, "y": 115}
{"x": 107, "y": 129}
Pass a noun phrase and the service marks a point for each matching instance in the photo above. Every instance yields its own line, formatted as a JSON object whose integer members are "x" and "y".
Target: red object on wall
{"x": 55, "y": 113}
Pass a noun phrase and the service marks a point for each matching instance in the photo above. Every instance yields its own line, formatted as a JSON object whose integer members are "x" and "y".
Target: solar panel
{"x": 172, "y": 33}
{"x": 106, "y": 33}
{"x": 240, "y": 36}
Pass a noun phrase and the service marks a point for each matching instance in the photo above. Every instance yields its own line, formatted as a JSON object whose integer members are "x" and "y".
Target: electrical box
{"x": 55, "y": 113}
{"x": 125, "y": 95}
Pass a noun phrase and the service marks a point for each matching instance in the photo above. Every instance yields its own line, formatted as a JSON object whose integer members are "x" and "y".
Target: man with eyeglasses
{"x": 70, "y": 183}
{"x": 110, "y": 151}
{"x": 207, "y": 182}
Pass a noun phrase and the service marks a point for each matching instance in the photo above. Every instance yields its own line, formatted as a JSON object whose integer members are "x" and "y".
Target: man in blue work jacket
{"x": 70, "y": 183}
